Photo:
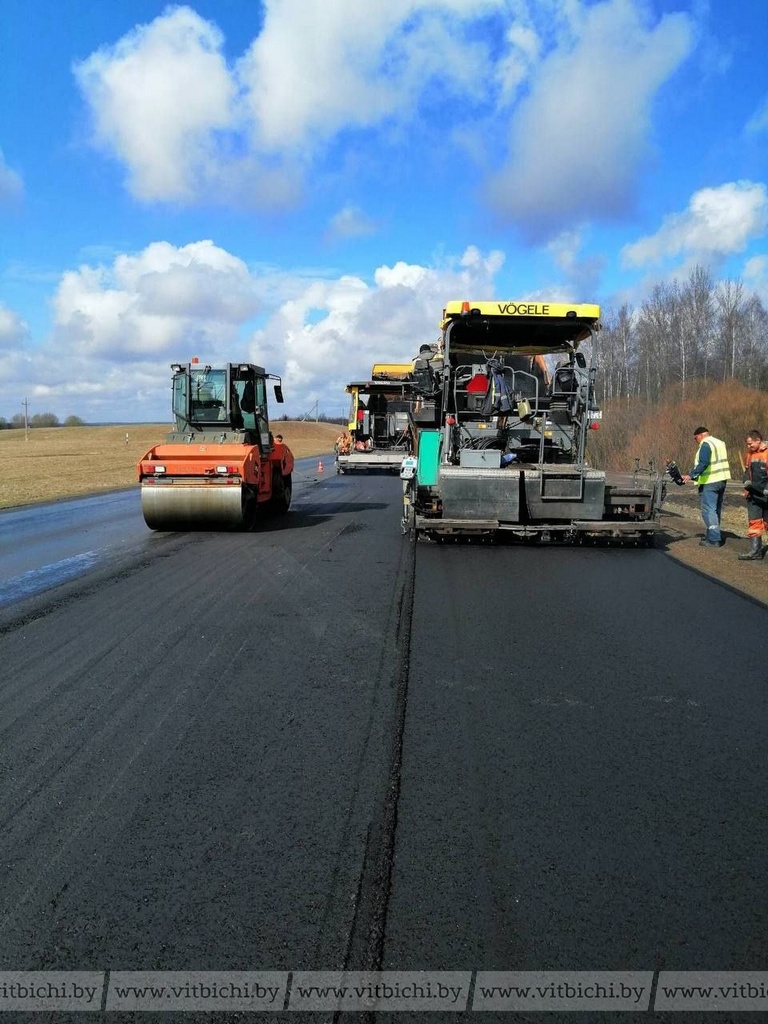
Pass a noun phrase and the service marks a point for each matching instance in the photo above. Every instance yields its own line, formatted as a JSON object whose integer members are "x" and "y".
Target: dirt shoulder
{"x": 682, "y": 529}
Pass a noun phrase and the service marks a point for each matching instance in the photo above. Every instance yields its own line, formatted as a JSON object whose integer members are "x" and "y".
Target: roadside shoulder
{"x": 681, "y": 531}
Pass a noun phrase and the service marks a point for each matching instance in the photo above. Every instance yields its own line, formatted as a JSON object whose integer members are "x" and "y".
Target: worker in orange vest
{"x": 756, "y": 493}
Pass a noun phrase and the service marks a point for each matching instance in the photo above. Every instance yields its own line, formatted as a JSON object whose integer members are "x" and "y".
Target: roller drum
{"x": 183, "y": 507}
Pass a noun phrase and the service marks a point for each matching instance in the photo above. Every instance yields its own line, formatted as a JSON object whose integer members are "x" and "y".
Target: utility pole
{"x": 25, "y": 403}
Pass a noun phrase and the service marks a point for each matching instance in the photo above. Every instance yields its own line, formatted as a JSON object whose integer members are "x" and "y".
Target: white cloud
{"x": 165, "y": 104}
{"x": 190, "y": 127}
{"x": 318, "y": 68}
{"x": 759, "y": 121}
{"x": 156, "y": 97}
{"x": 756, "y": 276}
{"x": 522, "y": 55}
{"x": 118, "y": 326}
{"x": 161, "y": 301}
{"x": 11, "y": 183}
{"x": 96, "y": 391}
{"x": 14, "y": 332}
{"x": 581, "y": 271}
{"x": 162, "y": 304}
{"x": 577, "y": 79}
{"x": 718, "y": 221}
{"x": 351, "y": 222}
{"x": 334, "y": 331}
{"x": 579, "y": 138}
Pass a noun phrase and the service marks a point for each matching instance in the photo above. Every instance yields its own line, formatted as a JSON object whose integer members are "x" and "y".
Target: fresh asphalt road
{"x": 43, "y": 546}
{"x": 584, "y": 760}
{"x": 319, "y": 746}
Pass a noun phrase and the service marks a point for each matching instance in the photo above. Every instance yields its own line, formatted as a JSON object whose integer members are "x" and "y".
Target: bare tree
{"x": 626, "y": 350}
{"x": 683, "y": 333}
{"x": 658, "y": 339}
{"x": 697, "y": 324}
{"x": 617, "y": 350}
{"x": 752, "y": 357}
{"x": 729, "y": 297}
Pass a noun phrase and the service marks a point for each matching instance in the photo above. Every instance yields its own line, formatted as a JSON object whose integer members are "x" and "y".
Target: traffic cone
{"x": 320, "y": 466}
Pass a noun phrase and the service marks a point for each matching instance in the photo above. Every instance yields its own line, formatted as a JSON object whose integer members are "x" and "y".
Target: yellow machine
{"x": 501, "y": 442}
{"x": 379, "y": 423}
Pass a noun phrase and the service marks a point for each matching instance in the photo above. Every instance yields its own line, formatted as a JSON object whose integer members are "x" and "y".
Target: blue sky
{"x": 305, "y": 183}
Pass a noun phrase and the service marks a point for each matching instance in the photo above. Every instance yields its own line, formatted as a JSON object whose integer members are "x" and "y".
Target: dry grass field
{"x": 67, "y": 462}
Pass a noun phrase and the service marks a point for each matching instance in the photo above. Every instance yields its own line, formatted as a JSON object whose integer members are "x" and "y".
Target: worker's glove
{"x": 749, "y": 486}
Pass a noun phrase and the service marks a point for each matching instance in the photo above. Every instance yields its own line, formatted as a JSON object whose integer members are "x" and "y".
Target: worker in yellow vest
{"x": 711, "y": 473}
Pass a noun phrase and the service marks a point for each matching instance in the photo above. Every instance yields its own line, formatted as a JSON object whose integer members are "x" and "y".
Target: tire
{"x": 250, "y": 511}
{"x": 282, "y": 491}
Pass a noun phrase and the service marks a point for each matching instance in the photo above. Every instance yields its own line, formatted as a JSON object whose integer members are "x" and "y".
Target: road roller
{"x": 220, "y": 467}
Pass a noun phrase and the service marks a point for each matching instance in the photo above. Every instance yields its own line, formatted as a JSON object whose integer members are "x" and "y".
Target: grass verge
{"x": 68, "y": 462}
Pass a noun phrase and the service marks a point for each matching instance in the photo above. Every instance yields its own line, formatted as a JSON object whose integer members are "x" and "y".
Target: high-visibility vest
{"x": 718, "y": 468}
{"x": 757, "y": 468}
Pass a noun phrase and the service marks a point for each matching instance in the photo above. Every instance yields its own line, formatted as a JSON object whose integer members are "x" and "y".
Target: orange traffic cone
{"x": 320, "y": 466}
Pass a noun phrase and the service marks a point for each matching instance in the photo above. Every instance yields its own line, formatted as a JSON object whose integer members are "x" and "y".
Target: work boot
{"x": 755, "y": 552}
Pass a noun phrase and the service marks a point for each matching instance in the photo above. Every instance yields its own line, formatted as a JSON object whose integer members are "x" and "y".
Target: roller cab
{"x": 220, "y": 467}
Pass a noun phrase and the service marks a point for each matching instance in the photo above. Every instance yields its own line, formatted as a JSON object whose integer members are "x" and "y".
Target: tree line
{"x": 685, "y": 334}
{"x": 39, "y": 419}
{"x": 320, "y": 418}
